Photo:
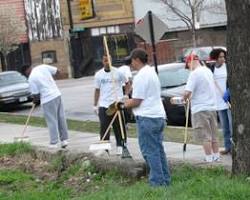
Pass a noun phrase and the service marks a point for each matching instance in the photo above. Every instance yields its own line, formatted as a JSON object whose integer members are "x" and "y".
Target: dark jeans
{"x": 226, "y": 123}
{"x": 150, "y": 136}
{"x": 104, "y": 123}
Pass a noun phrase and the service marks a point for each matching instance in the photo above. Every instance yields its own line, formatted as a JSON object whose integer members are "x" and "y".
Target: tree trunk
{"x": 238, "y": 42}
{"x": 194, "y": 37}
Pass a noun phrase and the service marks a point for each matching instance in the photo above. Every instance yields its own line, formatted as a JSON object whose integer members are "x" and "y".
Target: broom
{"x": 103, "y": 144}
{"x": 24, "y": 138}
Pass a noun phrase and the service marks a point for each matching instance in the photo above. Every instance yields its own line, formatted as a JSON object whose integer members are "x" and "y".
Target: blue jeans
{"x": 150, "y": 136}
{"x": 226, "y": 123}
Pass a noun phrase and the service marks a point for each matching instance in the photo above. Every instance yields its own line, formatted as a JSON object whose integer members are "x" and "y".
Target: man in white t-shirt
{"x": 150, "y": 117}
{"x": 200, "y": 90}
{"x": 108, "y": 89}
{"x": 45, "y": 90}
{"x": 219, "y": 70}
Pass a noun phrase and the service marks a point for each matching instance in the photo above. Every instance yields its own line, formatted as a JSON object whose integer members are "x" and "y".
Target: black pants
{"x": 104, "y": 123}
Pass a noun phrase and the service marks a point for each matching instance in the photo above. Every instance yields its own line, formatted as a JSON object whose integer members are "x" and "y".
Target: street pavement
{"x": 79, "y": 143}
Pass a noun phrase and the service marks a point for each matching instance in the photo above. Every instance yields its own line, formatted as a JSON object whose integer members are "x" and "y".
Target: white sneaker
{"x": 208, "y": 158}
{"x": 53, "y": 146}
{"x": 119, "y": 150}
{"x": 216, "y": 159}
{"x": 64, "y": 143}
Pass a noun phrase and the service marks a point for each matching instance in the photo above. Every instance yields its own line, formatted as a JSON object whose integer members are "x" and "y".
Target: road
{"x": 77, "y": 95}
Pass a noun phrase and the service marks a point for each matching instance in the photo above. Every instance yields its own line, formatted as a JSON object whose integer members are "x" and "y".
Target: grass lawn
{"x": 81, "y": 181}
{"x": 172, "y": 134}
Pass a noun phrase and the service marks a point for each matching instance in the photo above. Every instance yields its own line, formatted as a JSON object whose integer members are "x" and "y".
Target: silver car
{"x": 14, "y": 88}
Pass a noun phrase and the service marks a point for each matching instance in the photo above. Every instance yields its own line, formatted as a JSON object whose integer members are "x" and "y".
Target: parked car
{"x": 173, "y": 78}
{"x": 14, "y": 88}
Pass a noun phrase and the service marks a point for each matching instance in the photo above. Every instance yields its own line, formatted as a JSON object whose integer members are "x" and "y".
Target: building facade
{"x": 86, "y": 21}
{"x": 21, "y": 54}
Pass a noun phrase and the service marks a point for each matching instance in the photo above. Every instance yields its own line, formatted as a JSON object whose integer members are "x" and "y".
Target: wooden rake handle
{"x": 109, "y": 127}
{"x": 28, "y": 119}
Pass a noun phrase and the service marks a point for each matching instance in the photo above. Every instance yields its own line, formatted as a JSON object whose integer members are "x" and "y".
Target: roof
{"x": 212, "y": 17}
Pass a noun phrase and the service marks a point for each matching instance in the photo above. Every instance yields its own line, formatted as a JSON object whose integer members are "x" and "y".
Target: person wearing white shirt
{"x": 150, "y": 117}
{"x": 108, "y": 89}
{"x": 200, "y": 91}
{"x": 220, "y": 77}
{"x": 45, "y": 90}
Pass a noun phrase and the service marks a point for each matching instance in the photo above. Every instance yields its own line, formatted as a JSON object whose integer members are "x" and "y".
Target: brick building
{"x": 46, "y": 34}
{"x": 21, "y": 55}
{"x": 211, "y": 26}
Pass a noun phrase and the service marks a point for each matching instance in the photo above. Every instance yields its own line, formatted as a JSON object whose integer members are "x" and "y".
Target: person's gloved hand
{"x": 119, "y": 105}
{"x": 36, "y": 99}
{"x": 226, "y": 96}
{"x": 95, "y": 108}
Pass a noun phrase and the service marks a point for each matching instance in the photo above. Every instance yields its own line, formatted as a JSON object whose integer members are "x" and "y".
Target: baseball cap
{"x": 191, "y": 57}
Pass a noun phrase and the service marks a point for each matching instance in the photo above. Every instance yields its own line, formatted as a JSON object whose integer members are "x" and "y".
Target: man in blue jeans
{"x": 150, "y": 117}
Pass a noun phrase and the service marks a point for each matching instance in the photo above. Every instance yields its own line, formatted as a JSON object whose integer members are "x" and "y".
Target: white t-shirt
{"x": 146, "y": 86}
{"x": 125, "y": 70}
{"x": 41, "y": 82}
{"x": 201, "y": 84}
{"x": 220, "y": 76}
{"x": 110, "y": 85}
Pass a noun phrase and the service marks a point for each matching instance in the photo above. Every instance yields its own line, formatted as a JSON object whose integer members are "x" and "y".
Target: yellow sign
{"x": 86, "y": 8}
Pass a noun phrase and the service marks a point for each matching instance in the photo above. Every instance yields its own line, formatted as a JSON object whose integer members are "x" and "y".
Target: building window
{"x": 49, "y": 57}
{"x": 103, "y": 30}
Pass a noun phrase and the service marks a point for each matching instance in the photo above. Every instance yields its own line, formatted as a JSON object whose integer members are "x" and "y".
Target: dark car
{"x": 173, "y": 78}
{"x": 14, "y": 88}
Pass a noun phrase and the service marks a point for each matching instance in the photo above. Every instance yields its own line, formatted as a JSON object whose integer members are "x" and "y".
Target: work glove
{"x": 226, "y": 96}
{"x": 36, "y": 99}
{"x": 114, "y": 107}
{"x": 96, "y": 110}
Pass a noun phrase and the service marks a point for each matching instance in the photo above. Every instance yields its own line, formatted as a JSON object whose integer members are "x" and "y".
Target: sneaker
{"x": 208, "y": 158}
{"x": 216, "y": 158}
{"x": 64, "y": 143}
{"x": 53, "y": 146}
{"x": 119, "y": 150}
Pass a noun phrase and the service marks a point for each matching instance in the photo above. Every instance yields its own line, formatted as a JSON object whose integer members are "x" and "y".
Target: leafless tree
{"x": 189, "y": 12}
{"x": 11, "y": 27}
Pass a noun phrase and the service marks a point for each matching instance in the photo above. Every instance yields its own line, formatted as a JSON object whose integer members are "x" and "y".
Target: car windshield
{"x": 173, "y": 77}
{"x": 11, "y": 78}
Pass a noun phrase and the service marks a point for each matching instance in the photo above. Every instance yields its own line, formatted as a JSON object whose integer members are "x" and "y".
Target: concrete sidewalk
{"x": 79, "y": 143}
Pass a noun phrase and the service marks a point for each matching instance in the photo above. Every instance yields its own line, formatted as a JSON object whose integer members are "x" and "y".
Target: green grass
{"x": 188, "y": 183}
{"x": 81, "y": 181}
{"x": 14, "y": 149}
{"x": 172, "y": 134}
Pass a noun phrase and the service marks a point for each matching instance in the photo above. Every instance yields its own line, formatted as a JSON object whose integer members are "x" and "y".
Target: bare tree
{"x": 238, "y": 42}
{"x": 189, "y": 12}
{"x": 11, "y": 28}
